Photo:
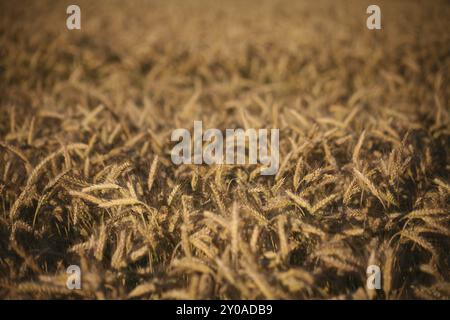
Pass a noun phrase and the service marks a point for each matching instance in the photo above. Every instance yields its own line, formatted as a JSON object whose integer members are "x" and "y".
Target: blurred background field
{"x": 85, "y": 170}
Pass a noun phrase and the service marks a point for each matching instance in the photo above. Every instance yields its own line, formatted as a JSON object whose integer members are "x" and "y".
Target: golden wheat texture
{"x": 86, "y": 176}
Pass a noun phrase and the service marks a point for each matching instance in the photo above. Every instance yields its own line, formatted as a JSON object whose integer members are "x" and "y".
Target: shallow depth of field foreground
{"x": 86, "y": 176}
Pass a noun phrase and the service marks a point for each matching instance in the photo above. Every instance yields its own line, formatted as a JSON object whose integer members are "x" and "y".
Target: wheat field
{"x": 86, "y": 176}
